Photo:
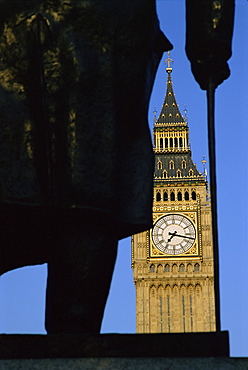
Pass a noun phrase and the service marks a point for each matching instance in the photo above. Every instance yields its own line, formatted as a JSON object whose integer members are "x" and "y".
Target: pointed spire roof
{"x": 170, "y": 113}
{"x": 173, "y": 160}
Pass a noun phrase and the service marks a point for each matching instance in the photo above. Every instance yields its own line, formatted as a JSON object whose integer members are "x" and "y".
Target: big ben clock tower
{"x": 173, "y": 264}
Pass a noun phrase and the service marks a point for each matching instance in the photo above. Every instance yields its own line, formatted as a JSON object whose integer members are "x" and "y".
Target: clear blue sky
{"x": 22, "y": 292}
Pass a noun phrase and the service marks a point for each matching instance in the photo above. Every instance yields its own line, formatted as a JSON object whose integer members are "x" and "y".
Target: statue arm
{"x": 209, "y": 29}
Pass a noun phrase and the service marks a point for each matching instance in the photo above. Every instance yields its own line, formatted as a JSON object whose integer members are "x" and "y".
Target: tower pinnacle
{"x": 170, "y": 129}
{"x": 170, "y": 113}
{"x": 169, "y": 63}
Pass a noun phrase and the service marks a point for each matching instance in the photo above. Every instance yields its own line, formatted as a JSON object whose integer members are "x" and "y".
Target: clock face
{"x": 173, "y": 234}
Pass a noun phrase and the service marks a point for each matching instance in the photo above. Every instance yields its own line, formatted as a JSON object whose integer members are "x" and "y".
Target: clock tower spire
{"x": 173, "y": 262}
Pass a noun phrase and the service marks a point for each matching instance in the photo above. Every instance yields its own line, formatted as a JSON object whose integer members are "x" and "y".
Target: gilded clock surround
{"x": 193, "y": 251}
{"x": 175, "y": 293}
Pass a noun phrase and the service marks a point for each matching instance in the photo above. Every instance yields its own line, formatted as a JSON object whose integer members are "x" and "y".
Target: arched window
{"x": 197, "y": 267}
{"x": 198, "y": 289}
{"x": 161, "y": 143}
{"x": 172, "y": 196}
{"x": 165, "y": 174}
{"x": 179, "y": 173}
{"x": 171, "y": 142}
{"x": 166, "y": 143}
{"x": 159, "y": 165}
{"x": 165, "y": 196}
{"x": 152, "y": 268}
{"x": 174, "y": 268}
{"x": 191, "y": 173}
{"x": 160, "y": 294}
{"x": 183, "y": 289}
{"x": 167, "y": 268}
{"x": 179, "y": 196}
{"x": 189, "y": 267}
{"x": 153, "y": 292}
{"x": 175, "y": 290}
{"x": 176, "y": 142}
{"x": 183, "y": 164}
{"x": 190, "y": 289}
{"x": 160, "y": 269}
{"x": 181, "y": 267}
{"x": 171, "y": 165}
{"x": 180, "y": 142}
{"x": 158, "y": 196}
{"x": 193, "y": 195}
{"x": 186, "y": 195}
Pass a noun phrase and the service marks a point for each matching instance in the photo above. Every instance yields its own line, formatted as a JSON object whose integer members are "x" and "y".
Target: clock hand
{"x": 181, "y": 236}
{"x": 184, "y": 236}
{"x": 172, "y": 234}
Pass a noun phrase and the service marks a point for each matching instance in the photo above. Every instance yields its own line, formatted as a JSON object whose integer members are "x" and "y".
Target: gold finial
{"x": 169, "y": 63}
{"x": 204, "y": 166}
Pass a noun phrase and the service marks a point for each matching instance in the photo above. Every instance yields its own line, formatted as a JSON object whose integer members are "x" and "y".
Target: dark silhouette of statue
{"x": 76, "y": 159}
